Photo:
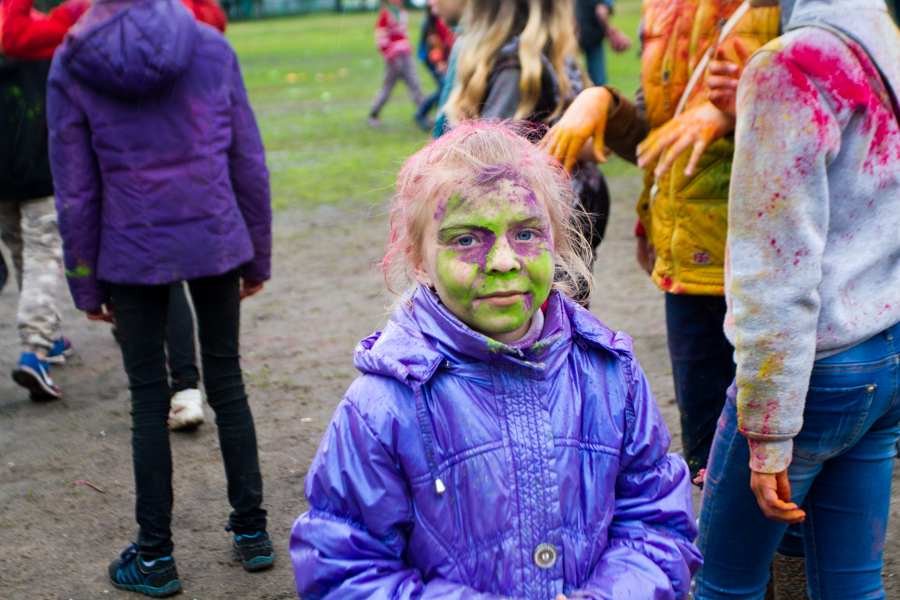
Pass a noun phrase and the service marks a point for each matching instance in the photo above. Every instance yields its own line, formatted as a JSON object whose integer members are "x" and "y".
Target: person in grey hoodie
{"x": 813, "y": 290}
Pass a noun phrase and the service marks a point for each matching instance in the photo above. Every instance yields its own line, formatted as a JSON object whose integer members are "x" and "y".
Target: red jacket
{"x": 27, "y": 34}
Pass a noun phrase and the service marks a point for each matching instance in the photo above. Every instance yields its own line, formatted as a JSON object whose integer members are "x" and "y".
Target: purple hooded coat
{"x": 560, "y": 445}
{"x": 158, "y": 165}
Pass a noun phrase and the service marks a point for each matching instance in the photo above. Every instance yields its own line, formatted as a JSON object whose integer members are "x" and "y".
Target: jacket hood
{"x": 421, "y": 336}
{"x": 867, "y": 22}
{"x": 131, "y": 48}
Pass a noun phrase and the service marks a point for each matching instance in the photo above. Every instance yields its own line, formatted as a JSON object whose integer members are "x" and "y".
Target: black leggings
{"x": 180, "y": 350}
{"x": 141, "y": 313}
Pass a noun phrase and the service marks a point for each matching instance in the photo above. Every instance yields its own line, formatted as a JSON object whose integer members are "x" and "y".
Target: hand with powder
{"x": 584, "y": 119}
{"x": 773, "y": 493}
{"x": 697, "y": 127}
{"x": 724, "y": 77}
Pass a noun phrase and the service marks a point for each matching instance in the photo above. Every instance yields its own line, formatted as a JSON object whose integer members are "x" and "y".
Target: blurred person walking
{"x": 435, "y": 47}
{"x": 593, "y": 28}
{"x": 27, "y": 34}
{"x": 145, "y": 200}
{"x": 451, "y": 13}
{"x": 28, "y": 224}
{"x": 392, "y": 39}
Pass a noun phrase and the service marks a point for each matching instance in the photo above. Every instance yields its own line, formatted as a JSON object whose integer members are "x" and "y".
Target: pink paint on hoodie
{"x": 813, "y": 260}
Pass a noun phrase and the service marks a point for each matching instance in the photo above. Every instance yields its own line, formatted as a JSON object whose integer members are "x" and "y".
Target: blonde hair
{"x": 477, "y": 154}
{"x": 545, "y": 27}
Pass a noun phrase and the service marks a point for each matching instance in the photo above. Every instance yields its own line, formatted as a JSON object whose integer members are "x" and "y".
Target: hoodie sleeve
{"x": 76, "y": 182}
{"x": 250, "y": 178}
{"x": 351, "y": 543}
{"x": 626, "y": 125}
{"x": 650, "y": 553}
{"x": 777, "y": 229}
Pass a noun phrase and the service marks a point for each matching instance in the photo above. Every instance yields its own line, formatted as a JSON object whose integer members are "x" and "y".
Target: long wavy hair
{"x": 544, "y": 26}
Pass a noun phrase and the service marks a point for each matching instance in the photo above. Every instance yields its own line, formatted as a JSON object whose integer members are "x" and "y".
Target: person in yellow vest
{"x": 682, "y": 210}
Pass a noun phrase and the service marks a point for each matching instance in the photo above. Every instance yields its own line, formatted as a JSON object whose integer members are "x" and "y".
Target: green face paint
{"x": 491, "y": 258}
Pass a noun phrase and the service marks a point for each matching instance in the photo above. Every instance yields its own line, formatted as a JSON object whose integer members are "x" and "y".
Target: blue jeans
{"x": 596, "y": 63}
{"x": 702, "y": 367}
{"x": 840, "y": 475}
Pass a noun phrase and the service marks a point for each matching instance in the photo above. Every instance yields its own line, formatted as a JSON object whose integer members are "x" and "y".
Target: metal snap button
{"x": 545, "y": 556}
{"x": 870, "y": 388}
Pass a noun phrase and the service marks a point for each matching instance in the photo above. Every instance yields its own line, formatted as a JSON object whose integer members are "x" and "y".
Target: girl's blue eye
{"x": 466, "y": 241}
{"x": 525, "y": 236}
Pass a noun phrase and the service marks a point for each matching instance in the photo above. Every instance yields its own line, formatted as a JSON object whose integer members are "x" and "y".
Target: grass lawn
{"x": 311, "y": 80}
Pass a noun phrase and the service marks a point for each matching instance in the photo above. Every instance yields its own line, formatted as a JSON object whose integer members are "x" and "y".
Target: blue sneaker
{"x": 34, "y": 374}
{"x": 62, "y": 349}
{"x": 157, "y": 578}
{"x": 255, "y": 550}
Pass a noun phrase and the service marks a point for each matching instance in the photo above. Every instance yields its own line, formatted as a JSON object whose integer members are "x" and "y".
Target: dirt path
{"x": 57, "y": 538}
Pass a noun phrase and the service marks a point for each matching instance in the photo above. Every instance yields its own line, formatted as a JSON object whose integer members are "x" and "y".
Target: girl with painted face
{"x": 501, "y": 442}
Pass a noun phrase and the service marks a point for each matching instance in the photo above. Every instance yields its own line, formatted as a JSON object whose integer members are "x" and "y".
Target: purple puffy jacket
{"x": 458, "y": 468}
{"x": 158, "y": 165}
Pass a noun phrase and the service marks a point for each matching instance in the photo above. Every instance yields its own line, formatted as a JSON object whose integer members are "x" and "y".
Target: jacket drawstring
{"x": 427, "y": 436}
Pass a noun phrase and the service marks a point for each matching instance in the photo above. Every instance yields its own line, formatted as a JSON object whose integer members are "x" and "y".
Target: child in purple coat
{"x": 501, "y": 442}
{"x": 160, "y": 177}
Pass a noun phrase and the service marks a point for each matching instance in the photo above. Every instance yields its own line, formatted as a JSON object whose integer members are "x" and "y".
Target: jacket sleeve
{"x": 250, "y": 178}
{"x": 29, "y": 35}
{"x": 351, "y": 543}
{"x": 76, "y": 182}
{"x": 778, "y": 216}
{"x": 650, "y": 553}
{"x": 505, "y": 94}
{"x": 626, "y": 126}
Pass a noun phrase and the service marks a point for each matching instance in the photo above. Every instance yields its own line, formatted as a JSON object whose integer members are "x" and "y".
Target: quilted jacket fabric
{"x": 687, "y": 220}
{"x": 561, "y": 445}
{"x": 158, "y": 164}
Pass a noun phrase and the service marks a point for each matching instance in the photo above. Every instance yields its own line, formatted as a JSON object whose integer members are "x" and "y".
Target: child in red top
{"x": 393, "y": 42}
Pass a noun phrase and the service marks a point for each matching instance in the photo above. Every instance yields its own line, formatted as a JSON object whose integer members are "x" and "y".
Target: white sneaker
{"x": 187, "y": 410}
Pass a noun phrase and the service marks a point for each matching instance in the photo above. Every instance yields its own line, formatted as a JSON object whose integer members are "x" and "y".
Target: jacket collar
{"x": 423, "y": 334}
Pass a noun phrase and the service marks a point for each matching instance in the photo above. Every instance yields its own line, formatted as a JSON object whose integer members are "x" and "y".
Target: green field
{"x": 311, "y": 80}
